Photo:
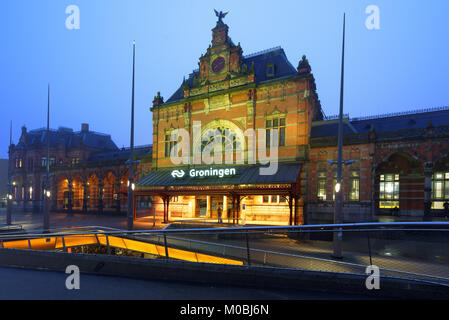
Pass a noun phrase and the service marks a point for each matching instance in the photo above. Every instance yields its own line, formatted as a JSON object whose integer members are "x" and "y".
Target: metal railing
{"x": 412, "y": 250}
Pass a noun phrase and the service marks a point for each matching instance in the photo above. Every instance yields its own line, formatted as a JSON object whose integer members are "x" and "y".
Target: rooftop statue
{"x": 220, "y": 15}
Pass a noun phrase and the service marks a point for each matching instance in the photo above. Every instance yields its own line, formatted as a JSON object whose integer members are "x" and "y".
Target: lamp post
{"x": 47, "y": 193}
{"x": 131, "y": 185}
{"x": 9, "y": 196}
{"x": 338, "y": 194}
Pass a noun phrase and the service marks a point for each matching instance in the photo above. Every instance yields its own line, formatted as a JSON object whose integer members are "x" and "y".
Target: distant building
{"x": 88, "y": 170}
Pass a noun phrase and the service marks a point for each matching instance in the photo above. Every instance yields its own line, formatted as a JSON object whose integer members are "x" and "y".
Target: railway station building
{"x": 249, "y": 114}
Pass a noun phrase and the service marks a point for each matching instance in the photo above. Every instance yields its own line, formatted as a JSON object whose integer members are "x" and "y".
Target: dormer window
{"x": 270, "y": 70}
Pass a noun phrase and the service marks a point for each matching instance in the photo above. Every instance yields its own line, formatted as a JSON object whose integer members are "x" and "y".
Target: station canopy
{"x": 221, "y": 178}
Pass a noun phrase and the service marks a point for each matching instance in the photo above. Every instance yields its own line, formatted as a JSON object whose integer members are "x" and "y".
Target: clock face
{"x": 218, "y": 64}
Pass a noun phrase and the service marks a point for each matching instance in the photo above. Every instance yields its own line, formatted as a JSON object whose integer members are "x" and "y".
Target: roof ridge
{"x": 402, "y": 113}
{"x": 258, "y": 53}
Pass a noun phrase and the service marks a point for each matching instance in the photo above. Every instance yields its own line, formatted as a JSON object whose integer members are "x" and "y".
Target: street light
{"x": 337, "y": 187}
{"x": 338, "y": 195}
{"x": 131, "y": 162}
{"x": 46, "y": 222}
{"x": 9, "y": 199}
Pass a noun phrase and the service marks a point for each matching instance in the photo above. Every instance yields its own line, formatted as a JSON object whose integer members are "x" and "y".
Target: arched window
{"x": 223, "y": 136}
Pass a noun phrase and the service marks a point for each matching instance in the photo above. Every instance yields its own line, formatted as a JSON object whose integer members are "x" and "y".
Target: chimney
{"x": 84, "y": 127}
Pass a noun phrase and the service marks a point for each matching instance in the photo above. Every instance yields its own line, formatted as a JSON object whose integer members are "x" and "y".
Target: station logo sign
{"x": 201, "y": 173}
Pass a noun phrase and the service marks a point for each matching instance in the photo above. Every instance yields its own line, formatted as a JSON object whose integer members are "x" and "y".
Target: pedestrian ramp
{"x": 67, "y": 242}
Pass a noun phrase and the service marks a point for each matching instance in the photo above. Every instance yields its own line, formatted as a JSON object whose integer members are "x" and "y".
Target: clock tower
{"x": 223, "y": 57}
{"x": 219, "y": 34}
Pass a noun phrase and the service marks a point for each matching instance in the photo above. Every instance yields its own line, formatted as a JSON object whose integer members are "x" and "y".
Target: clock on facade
{"x": 218, "y": 64}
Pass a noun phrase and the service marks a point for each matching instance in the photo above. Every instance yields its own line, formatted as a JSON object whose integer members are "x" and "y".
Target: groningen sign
{"x": 200, "y": 173}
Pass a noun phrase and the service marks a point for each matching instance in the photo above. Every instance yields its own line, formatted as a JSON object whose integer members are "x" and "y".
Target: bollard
{"x": 247, "y": 249}
{"x": 166, "y": 249}
{"x": 369, "y": 249}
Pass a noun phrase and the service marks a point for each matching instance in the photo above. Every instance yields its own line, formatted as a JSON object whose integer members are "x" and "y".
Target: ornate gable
{"x": 221, "y": 66}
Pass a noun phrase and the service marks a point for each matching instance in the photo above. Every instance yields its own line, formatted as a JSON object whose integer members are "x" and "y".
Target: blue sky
{"x": 403, "y": 66}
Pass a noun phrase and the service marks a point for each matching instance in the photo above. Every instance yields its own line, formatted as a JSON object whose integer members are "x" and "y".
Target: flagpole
{"x": 130, "y": 213}
{"x": 338, "y": 190}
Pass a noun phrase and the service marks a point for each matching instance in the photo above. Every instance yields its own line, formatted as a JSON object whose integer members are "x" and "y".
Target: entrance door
{"x": 201, "y": 208}
{"x": 215, "y": 203}
{"x": 65, "y": 203}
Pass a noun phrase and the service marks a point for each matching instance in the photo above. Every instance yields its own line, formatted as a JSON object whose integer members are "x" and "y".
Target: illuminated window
{"x": 440, "y": 190}
{"x": 170, "y": 144}
{"x": 321, "y": 186}
{"x": 274, "y": 199}
{"x": 18, "y": 162}
{"x": 389, "y": 191}
{"x": 354, "y": 187}
{"x": 275, "y": 123}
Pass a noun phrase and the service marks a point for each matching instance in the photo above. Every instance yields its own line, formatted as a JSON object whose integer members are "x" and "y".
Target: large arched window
{"x": 222, "y": 136}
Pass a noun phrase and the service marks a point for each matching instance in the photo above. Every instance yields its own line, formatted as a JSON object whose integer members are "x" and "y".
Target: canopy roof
{"x": 245, "y": 176}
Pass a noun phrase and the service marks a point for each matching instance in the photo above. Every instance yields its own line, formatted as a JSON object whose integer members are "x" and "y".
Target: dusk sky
{"x": 403, "y": 66}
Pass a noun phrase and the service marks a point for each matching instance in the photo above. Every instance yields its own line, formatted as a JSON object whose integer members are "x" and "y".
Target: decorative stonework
{"x": 250, "y": 109}
{"x": 218, "y": 86}
{"x": 238, "y": 81}
{"x": 197, "y": 91}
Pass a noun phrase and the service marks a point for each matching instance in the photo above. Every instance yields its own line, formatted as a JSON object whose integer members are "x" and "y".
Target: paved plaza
{"x": 34, "y": 221}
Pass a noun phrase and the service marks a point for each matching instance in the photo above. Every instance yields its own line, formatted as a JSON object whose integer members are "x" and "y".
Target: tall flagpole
{"x": 47, "y": 177}
{"x": 338, "y": 192}
{"x": 130, "y": 213}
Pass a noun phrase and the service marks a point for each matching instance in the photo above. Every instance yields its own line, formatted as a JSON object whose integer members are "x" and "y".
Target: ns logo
{"x": 178, "y": 173}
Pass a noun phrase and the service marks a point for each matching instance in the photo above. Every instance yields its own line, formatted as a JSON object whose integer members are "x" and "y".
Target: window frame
{"x": 393, "y": 201}
{"x": 443, "y": 181}
{"x": 278, "y": 122}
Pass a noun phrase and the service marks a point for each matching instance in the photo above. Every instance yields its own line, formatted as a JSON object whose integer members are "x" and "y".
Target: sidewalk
{"x": 34, "y": 221}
